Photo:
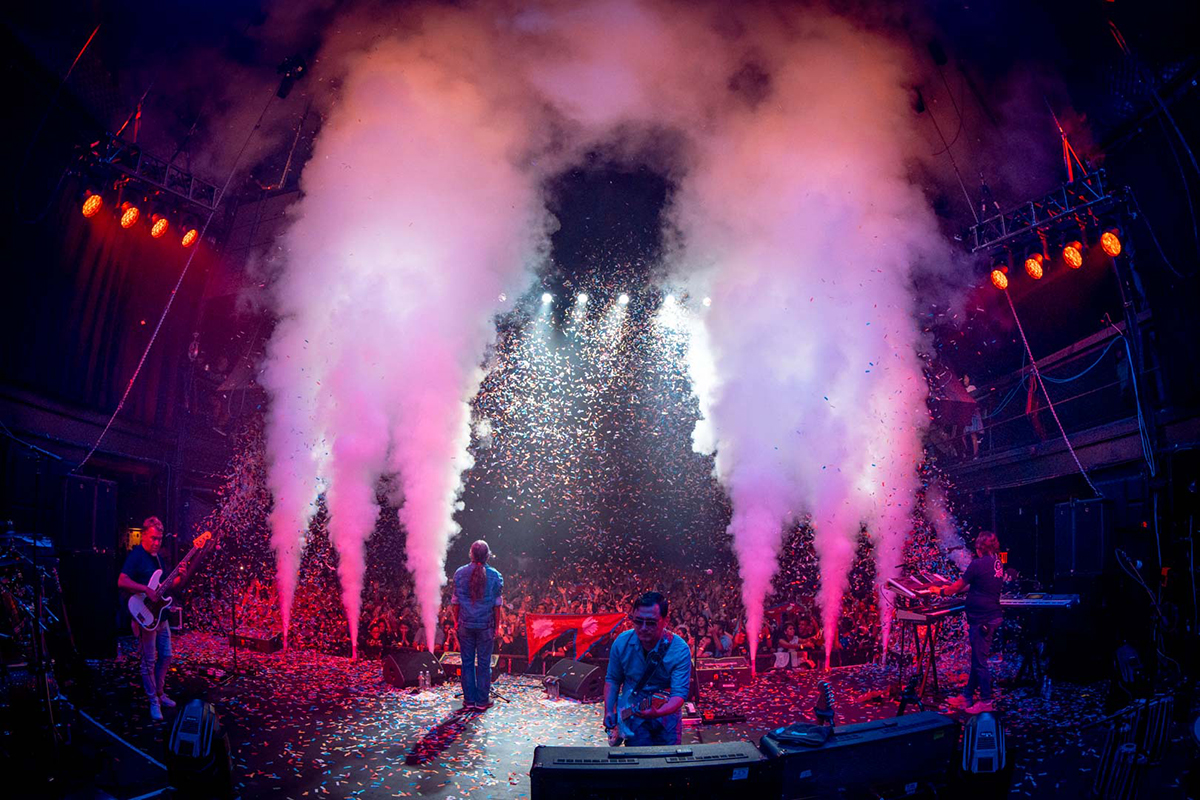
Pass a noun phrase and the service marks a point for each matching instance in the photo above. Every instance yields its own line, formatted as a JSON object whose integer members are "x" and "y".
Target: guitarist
{"x": 645, "y": 661}
{"x": 153, "y": 646}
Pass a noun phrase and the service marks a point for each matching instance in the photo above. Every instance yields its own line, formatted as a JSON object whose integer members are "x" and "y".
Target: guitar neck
{"x": 183, "y": 562}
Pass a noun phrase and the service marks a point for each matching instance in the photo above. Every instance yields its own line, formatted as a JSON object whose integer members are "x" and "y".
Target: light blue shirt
{"x": 627, "y": 662}
{"x": 477, "y": 613}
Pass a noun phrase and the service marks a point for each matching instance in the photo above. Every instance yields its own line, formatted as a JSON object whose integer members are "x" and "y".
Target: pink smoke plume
{"x": 796, "y": 214}
{"x": 791, "y": 145}
{"x": 417, "y": 219}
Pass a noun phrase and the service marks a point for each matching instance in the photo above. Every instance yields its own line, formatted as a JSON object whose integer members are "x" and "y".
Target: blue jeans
{"x": 476, "y": 646}
{"x": 664, "y": 730}
{"x": 154, "y": 647}
{"x": 980, "y": 636}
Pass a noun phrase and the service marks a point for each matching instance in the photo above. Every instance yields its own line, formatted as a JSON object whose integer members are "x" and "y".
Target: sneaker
{"x": 484, "y": 706}
{"x": 958, "y": 701}
{"x": 166, "y": 701}
{"x": 467, "y": 708}
{"x": 982, "y": 707}
{"x": 156, "y": 711}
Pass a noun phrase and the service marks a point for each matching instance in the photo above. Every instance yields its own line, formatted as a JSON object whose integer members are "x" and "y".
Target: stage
{"x": 303, "y": 724}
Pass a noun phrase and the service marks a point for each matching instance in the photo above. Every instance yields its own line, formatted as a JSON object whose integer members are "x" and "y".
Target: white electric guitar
{"x": 149, "y": 613}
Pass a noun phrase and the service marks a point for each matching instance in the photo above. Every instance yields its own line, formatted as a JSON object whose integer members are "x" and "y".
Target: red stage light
{"x": 92, "y": 205}
{"x": 1073, "y": 254}
{"x": 129, "y": 215}
{"x": 1110, "y": 242}
{"x": 159, "y": 228}
{"x": 999, "y": 279}
{"x": 190, "y": 237}
{"x": 1033, "y": 265}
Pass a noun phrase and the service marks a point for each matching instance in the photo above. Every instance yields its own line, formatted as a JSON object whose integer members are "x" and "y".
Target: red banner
{"x": 541, "y": 629}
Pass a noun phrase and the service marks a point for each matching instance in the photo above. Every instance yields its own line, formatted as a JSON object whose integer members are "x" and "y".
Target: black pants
{"x": 981, "y": 634}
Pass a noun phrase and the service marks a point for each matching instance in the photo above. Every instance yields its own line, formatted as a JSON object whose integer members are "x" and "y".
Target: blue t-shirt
{"x": 985, "y": 580}
{"x": 477, "y": 613}
{"x": 627, "y": 662}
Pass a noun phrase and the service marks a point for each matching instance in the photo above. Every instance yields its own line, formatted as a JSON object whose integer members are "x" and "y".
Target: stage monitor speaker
{"x": 199, "y": 758}
{"x": 1080, "y": 537}
{"x": 729, "y": 769}
{"x": 983, "y": 744}
{"x": 876, "y": 757}
{"x": 579, "y": 681}
{"x": 403, "y": 668}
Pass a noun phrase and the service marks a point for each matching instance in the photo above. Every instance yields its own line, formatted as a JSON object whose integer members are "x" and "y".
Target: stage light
{"x": 129, "y": 214}
{"x": 581, "y": 298}
{"x": 1033, "y": 265}
{"x": 669, "y": 299}
{"x": 999, "y": 279}
{"x": 547, "y": 298}
{"x": 707, "y": 301}
{"x": 1110, "y": 242}
{"x": 190, "y": 237}
{"x": 1073, "y": 254}
{"x": 159, "y": 225}
{"x": 92, "y": 203}
{"x": 623, "y": 299}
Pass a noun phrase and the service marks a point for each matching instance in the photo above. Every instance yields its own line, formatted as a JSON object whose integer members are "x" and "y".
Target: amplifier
{"x": 731, "y": 769}
{"x": 258, "y": 643}
{"x": 724, "y": 673}
{"x": 870, "y": 756}
{"x": 452, "y": 664}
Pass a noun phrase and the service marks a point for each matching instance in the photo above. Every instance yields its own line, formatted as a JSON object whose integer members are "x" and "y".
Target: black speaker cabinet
{"x": 725, "y": 770}
{"x": 583, "y": 682}
{"x": 93, "y": 604}
{"x": 871, "y": 756}
{"x": 1080, "y": 537}
{"x": 403, "y": 668}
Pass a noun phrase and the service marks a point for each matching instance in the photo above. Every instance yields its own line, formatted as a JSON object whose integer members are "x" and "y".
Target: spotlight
{"x": 129, "y": 214}
{"x": 547, "y": 298}
{"x": 669, "y": 299}
{"x": 92, "y": 203}
{"x": 1033, "y": 265}
{"x": 999, "y": 279}
{"x": 707, "y": 301}
{"x": 1073, "y": 254}
{"x": 1110, "y": 242}
{"x": 158, "y": 226}
{"x": 623, "y": 299}
{"x": 190, "y": 237}
{"x": 581, "y": 298}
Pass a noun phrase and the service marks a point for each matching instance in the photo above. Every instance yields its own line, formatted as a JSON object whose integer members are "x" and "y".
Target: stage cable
{"x": 1054, "y": 413}
{"x": 171, "y": 298}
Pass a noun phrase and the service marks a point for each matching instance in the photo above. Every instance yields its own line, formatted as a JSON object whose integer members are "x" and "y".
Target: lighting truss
{"x": 130, "y": 160}
{"x": 1071, "y": 201}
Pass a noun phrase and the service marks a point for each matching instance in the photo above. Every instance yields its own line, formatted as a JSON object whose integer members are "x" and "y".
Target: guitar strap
{"x": 653, "y": 660}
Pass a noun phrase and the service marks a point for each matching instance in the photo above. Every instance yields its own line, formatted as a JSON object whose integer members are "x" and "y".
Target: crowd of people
{"x": 706, "y": 610}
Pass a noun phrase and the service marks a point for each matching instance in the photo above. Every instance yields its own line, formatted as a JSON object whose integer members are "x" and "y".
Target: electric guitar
{"x": 149, "y": 613}
{"x": 639, "y": 701}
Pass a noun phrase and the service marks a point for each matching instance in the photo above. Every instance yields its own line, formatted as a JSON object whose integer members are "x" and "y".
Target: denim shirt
{"x": 627, "y": 661}
{"x": 477, "y": 613}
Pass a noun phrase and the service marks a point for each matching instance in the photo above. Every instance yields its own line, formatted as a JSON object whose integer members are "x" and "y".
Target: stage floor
{"x": 304, "y": 724}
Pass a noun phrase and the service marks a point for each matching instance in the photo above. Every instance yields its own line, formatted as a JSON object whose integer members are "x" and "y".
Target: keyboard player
{"x": 983, "y": 581}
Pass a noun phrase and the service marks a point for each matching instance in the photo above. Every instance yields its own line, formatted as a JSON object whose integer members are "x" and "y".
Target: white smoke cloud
{"x": 791, "y": 145}
{"x": 416, "y": 217}
{"x": 797, "y": 215}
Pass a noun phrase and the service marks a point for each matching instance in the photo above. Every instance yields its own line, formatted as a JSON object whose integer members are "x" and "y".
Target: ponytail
{"x": 478, "y": 580}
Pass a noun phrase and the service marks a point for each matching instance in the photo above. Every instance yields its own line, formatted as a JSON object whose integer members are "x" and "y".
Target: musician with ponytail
{"x": 477, "y": 609}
